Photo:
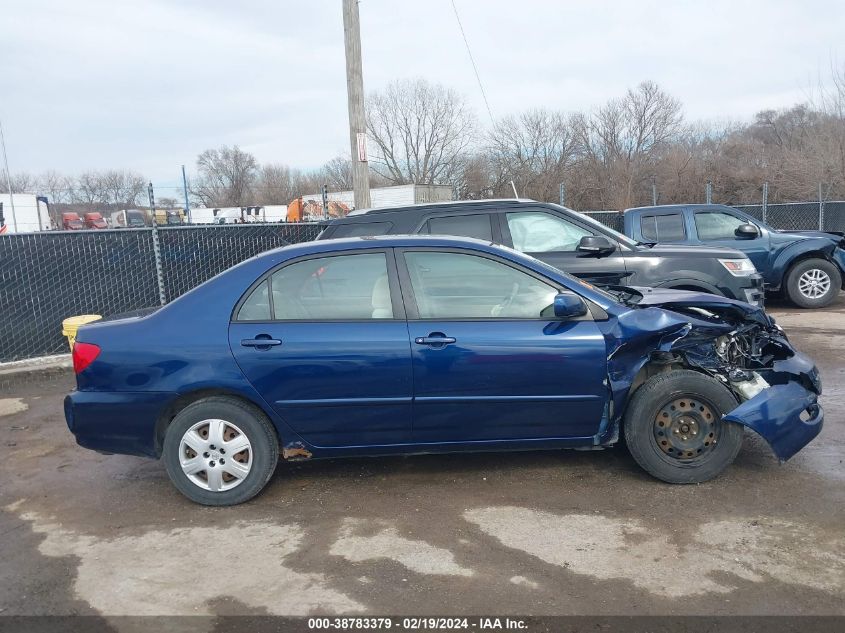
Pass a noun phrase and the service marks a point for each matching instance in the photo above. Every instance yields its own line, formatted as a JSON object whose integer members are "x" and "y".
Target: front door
{"x": 717, "y": 228}
{"x": 489, "y": 362}
{"x": 554, "y": 239}
{"x": 324, "y": 341}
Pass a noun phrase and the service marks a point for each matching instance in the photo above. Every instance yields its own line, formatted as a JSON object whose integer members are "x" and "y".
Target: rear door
{"x": 553, "y": 238}
{"x": 324, "y": 340}
{"x": 489, "y": 361}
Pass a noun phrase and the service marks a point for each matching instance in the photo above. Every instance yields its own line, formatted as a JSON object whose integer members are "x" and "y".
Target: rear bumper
{"x": 116, "y": 422}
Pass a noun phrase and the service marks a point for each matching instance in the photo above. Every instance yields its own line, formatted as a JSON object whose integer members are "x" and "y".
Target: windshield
{"x": 602, "y": 228}
{"x": 614, "y": 295}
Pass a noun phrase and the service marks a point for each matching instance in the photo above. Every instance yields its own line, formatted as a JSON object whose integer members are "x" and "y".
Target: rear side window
{"x": 477, "y": 226}
{"x": 360, "y": 229}
{"x": 663, "y": 228}
{"x": 342, "y": 287}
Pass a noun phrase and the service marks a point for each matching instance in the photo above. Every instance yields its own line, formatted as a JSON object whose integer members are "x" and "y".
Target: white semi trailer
{"x": 31, "y": 213}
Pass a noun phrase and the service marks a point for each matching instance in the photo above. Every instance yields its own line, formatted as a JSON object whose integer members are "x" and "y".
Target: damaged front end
{"x": 738, "y": 344}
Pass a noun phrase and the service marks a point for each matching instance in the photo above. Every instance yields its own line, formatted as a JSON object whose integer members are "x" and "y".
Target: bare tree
{"x": 277, "y": 184}
{"x": 535, "y": 150}
{"x": 90, "y": 189}
{"x": 56, "y": 186}
{"x": 337, "y": 174}
{"x": 622, "y": 141}
{"x": 421, "y": 132}
{"x": 226, "y": 177}
{"x": 122, "y": 187}
{"x": 22, "y": 182}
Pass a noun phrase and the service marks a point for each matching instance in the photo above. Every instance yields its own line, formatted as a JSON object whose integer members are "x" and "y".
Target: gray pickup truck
{"x": 568, "y": 240}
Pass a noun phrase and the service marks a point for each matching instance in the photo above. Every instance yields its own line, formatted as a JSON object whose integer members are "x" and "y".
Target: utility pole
{"x": 654, "y": 191}
{"x": 185, "y": 188}
{"x": 355, "y": 95}
{"x": 9, "y": 180}
{"x": 708, "y": 192}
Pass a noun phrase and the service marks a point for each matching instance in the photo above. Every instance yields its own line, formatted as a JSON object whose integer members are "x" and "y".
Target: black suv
{"x": 568, "y": 240}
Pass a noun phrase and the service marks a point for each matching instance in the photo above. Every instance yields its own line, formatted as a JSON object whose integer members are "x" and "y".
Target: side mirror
{"x": 747, "y": 231}
{"x": 595, "y": 245}
{"x": 569, "y": 306}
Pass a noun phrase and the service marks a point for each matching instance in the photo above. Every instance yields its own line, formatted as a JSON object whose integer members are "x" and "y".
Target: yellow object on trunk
{"x": 72, "y": 324}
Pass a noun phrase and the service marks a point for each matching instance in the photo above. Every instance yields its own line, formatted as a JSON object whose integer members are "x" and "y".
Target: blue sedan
{"x": 397, "y": 345}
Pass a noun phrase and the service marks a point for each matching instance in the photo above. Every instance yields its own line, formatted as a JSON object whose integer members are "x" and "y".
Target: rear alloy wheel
{"x": 220, "y": 451}
{"x": 674, "y": 427}
{"x": 813, "y": 283}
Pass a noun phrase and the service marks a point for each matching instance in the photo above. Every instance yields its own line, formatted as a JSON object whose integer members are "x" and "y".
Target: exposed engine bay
{"x": 738, "y": 344}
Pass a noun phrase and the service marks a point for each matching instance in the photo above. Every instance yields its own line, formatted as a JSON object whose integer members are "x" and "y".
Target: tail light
{"x": 83, "y": 355}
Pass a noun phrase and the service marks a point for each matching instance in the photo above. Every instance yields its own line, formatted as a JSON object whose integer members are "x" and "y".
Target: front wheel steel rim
{"x": 215, "y": 455}
{"x": 814, "y": 283}
{"x": 687, "y": 428}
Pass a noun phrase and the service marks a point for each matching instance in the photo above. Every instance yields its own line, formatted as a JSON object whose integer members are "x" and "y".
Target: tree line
{"x": 614, "y": 156}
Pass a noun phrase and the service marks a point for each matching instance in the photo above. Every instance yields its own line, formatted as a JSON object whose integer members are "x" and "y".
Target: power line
{"x": 472, "y": 60}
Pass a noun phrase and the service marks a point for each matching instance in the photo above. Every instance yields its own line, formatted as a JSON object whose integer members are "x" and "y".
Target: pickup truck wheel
{"x": 674, "y": 429}
{"x": 813, "y": 283}
{"x": 220, "y": 451}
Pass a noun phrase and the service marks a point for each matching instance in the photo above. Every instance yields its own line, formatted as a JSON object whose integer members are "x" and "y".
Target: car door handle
{"x": 260, "y": 342}
{"x": 435, "y": 339}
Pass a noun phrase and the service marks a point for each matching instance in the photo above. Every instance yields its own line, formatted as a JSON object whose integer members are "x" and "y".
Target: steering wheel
{"x": 498, "y": 309}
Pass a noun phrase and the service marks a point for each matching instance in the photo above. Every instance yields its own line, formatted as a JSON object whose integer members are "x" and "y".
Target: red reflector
{"x": 83, "y": 355}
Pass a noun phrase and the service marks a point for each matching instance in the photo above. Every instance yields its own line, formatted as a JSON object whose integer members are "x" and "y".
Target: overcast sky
{"x": 97, "y": 84}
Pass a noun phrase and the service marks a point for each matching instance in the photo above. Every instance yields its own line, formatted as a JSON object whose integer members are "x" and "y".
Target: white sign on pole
{"x": 362, "y": 147}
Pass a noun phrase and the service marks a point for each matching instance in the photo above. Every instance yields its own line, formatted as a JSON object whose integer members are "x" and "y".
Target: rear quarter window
{"x": 663, "y": 228}
{"x": 477, "y": 226}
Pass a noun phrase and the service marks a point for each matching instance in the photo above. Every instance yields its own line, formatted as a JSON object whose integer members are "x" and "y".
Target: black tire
{"x": 692, "y": 389}
{"x": 823, "y": 267}
{"x": 263, "y": 454}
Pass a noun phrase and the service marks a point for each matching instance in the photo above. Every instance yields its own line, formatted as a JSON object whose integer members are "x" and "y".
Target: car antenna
{"x": 513, "y": 186}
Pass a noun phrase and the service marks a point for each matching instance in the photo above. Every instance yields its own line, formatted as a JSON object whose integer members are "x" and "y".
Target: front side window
{"x": 538, "y": 232}
{"x": 715, "y": 225}
{"x": 462, "y": 286}
{"x": 346, "y": 287}
{"x": 477, "y": 226}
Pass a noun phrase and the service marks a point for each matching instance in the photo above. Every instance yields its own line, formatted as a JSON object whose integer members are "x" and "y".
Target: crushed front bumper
{"x": 787, "y": 415}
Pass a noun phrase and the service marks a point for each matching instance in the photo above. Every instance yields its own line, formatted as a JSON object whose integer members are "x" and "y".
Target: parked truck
{"x": 30, "y": 213}
{"x": 807, "y": 266}
{"x": 71, "y": 221}
{"x": 95, "y": 220}
{"x": 128, "y": 219}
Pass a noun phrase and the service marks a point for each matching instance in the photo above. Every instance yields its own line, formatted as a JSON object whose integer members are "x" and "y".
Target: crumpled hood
{"x": 670, "y": 299}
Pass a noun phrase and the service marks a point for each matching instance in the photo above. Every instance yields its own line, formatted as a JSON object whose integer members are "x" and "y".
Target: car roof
{"x": 357, "y": 213}
{"x": 677, "y": 207}
{"x": 385, "y": 241}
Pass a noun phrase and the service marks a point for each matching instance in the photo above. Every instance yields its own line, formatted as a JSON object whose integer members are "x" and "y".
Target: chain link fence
{"x": 47, "y": 277}
{"x": 790, "y": 216}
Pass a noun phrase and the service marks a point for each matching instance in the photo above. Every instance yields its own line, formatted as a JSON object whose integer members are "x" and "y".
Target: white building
{"x": 397, "y": 196}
